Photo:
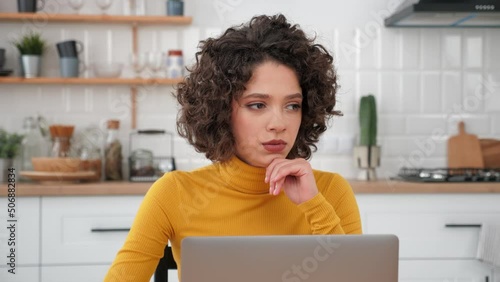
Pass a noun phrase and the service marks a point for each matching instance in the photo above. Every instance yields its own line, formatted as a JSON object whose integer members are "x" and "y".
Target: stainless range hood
{"x": 446, "y": 13}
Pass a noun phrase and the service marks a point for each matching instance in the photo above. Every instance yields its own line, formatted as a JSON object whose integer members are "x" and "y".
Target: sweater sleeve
{"x": 144, "y": 246}
{"x": 334, "y": 210}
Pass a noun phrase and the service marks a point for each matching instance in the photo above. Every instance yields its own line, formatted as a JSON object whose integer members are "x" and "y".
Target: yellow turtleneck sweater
{"x": 228, "y": 198}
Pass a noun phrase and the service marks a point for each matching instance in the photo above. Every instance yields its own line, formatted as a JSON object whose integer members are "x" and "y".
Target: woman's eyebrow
{"x": 267, "y": 96}
{"x": 256, "y": 95}
{"x": 294, "y": 96}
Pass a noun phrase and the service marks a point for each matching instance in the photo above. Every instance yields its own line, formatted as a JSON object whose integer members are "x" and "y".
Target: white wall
{"x": 424, "y": 79}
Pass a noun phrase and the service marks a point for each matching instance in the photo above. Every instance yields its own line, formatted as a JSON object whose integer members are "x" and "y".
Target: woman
{"x": 255, "y": 103}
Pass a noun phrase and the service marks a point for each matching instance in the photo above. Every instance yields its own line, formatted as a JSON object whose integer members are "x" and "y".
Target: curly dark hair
{"x": 223, "y": 67}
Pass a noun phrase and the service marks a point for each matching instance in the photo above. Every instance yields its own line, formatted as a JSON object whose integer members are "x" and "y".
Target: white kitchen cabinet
{"x": 429, "y": 250}
{"x": 23, "y": 274}
{"x": 68, "y": 238}
{"x": 443, "y": 270}
{"x": 85, "y": 230}
{"x": 27, "y": 231}
{"x": 81, "y": 273}
{"x": 82, "y": 235}
{"x": 428, "y": 231}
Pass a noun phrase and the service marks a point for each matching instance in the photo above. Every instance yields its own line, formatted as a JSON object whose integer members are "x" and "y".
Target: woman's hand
{"x": 295, "y": 177}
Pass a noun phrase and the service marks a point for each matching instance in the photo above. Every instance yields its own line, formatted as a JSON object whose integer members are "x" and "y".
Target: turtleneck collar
{"x": 244, "y": 177}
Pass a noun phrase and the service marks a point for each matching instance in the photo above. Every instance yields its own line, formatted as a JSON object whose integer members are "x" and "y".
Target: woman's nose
{"x": 276, "y": 122}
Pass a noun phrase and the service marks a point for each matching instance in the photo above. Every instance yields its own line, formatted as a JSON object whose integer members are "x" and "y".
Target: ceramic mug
{"x": 30, "y": 6}
{"x": 69, "y": 48}
{"x": 70, "y": 66}
{"x": 175, "y": 8}
{"x": 2, "y": 58}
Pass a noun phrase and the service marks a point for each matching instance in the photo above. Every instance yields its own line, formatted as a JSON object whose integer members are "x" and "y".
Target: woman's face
{"x": 266, "y": 118}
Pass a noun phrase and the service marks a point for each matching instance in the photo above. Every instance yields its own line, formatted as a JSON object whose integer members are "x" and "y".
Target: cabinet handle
{"x": 110, "y": 229}
{"x": 151, "y": 131}
{"x": 451, "y": 225}
{"x": 487, "y": 279}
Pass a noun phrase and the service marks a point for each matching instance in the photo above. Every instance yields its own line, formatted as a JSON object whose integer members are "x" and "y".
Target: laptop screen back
{"x": 291, "y": 258}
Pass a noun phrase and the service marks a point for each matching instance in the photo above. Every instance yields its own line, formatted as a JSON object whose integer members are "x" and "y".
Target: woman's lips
{"x": 274, "y": 146}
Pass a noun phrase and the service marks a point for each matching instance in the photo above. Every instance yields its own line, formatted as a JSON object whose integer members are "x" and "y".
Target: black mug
{"x": 2, "y": 58}
{"x": 69, "y": 48}
{"x": 29, "y": 6}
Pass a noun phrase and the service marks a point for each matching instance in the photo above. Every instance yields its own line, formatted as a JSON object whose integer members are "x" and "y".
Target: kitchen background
{"x": 425, "y": 80}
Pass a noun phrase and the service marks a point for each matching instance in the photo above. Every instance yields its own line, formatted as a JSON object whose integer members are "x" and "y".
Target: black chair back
{"x": 165, "y": 263}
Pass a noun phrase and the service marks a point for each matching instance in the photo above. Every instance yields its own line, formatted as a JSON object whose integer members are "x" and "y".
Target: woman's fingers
{"x": 295, "y": 177}
{"x": 275, "y": 171}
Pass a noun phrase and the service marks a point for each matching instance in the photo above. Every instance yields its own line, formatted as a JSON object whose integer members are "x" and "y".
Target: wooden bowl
{"x": 57, "y": 164}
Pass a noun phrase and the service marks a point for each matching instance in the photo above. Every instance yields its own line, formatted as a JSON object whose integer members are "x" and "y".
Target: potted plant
{"x": 31, "y": 47}
{"x": 9, "y": 147}
{"x": 367, "y": 154}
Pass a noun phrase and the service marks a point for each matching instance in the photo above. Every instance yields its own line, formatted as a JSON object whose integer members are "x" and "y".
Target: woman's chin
{"x": 261, "y": 161}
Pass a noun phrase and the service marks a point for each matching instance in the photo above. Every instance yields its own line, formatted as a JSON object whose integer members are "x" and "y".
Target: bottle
{"x": 60, "y": 147}
{"x": 89, "y": 150}
{"x": 113, "y": 153}
{"x": 175, "y": 64}
{"x": 33, "y": 144}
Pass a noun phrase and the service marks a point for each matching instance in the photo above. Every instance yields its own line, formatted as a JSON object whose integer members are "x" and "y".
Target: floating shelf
{"x": 89, "y": 81}
{"x": 41, "y": 17}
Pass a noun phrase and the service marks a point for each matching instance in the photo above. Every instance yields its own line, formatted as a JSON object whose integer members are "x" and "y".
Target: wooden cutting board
{"x": 464, "y": 150}
{"x": 490, "y": 149}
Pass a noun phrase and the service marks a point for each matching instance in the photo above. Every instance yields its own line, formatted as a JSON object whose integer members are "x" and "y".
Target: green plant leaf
{"x": 9, "y": 144}
{"x": 367, "y": 121}
{"x": 31, "y": 43}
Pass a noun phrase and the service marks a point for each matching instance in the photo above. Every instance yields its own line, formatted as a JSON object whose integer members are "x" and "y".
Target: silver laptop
{"x": 293, "y": 258}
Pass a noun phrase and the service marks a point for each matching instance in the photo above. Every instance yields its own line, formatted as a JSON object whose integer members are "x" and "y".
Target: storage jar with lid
{"x": 175, "y": 64}
{"x": 113, "y": 153}
{"x": 33, "y": 144}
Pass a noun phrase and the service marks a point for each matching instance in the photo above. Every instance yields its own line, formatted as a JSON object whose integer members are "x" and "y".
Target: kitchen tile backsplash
{"x": 425, "y": 80}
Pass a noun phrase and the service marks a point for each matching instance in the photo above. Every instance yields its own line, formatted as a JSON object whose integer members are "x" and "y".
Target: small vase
{"x": 5, "y": 164}
{"x": 21, "y": 67}
{"x": 31, "y": 65}
{"x": 175, "y": 8}
{"x": 367, "y": 158}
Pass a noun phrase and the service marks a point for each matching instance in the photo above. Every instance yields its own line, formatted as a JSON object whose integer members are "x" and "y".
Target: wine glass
{"x": 104, "y": 5}
{"x": 138, "y": 63}
{"x": 76, "y": 5}
{"x": 156, "y": 62}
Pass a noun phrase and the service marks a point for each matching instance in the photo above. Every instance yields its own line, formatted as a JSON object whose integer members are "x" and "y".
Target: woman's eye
{"x": 293, "y": 107}
{"x": 256, "y": 106}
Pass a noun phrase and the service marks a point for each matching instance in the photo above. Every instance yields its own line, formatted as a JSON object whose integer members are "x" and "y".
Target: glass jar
{"x": 113, "y": 153}
{"x": 141, "y": 163}
{"x": 134, "y": 7}
{"x": 175, "y": 64}
{"x": 33, "y": 144}
{"x": 60, "y": 147}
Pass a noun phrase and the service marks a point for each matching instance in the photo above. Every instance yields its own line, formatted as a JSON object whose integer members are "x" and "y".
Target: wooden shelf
{"x": 89, "y": 81}
{"x": 135, "y": 21}
{"x": 114, "y": 19}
